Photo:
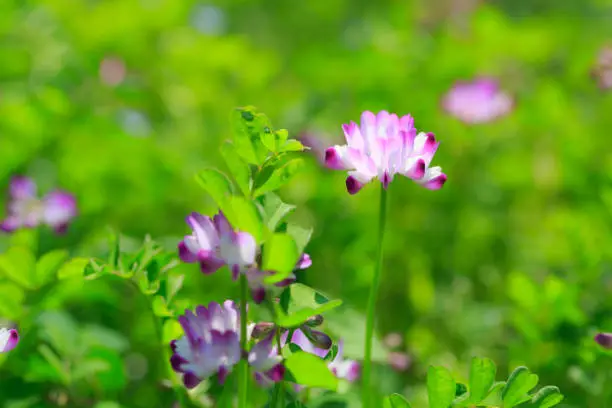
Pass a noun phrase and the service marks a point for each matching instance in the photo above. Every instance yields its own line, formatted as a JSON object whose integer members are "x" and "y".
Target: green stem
{"x": 278, "y": 396}
{"x": 373, "y": 297}
{"x": 243, "y": 383}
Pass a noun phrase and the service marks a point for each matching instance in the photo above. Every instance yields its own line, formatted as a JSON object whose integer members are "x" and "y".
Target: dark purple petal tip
{"x": 604, "y": 340}
{"x": 352, "y": 185}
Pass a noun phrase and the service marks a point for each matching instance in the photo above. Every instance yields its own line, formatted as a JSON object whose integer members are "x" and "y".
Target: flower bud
{"x": 262, "y": 329}
{"x": 604, "y": 340}
{"x": 314, "y": 321}
{"x": 318, "y": 339}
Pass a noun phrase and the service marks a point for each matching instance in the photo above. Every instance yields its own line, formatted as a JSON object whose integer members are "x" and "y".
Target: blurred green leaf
{"x": 238, "y": 168}
{"x": 60, "y": 331}
{"x": 11, "y": 300}
{"x": 311, "y": 371}
{"x": 482, "y": 377}
{"x": 300, "y": 235}
{"x": 440, "y": 387}
{"x": 244, "y": 216}
{"x": 160, "y": 308}
{"x": 107, "y": 404}
{"x": 275, "y": 210}
{"x": 175, "y": 283}
{"x": 397, "y": 401}
{"x": 280, "y": 254}
{"x": 18, "y": 264}
{"x": 276, "y": 177}
{"x": 216, "y": 185}
{"x": 113, "y": 376}
{"x": 55, "y": 362}
{"x": 520, "y": 382}
{"x": 547, "y": 397}
{"x": 48, "y": 265}
{"x": 74, "y": 268}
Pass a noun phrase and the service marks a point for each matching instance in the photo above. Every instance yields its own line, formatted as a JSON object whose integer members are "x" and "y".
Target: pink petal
{"x": 59, "y": 209}
{"x": 22, "y": 188}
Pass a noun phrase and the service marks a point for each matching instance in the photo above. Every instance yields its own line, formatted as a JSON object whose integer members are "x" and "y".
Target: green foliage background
{"x": 511, "y": 260}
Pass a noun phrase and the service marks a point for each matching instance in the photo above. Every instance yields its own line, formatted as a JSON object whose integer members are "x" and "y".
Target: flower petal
{"x": 22, "y": 188}
{"x": 58, "y": 209}
{"x": 8, "y": 339}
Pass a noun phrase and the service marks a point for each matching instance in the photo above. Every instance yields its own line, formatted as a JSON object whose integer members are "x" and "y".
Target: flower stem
{"x": 373, "y": 297}
{"x": 279, "y": 395}
{"x": 243, "y": 384}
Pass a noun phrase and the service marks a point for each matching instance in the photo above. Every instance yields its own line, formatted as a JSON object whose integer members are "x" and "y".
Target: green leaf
{"x": 292, "y": 145}
{"x": 547, "y": 397}
{"x": 74, "y": 268}
{"x": 311, "y": 371}
{"x": 216, "y": 184}
{"x": 249, "y": 129}
{"x": 397, "y": 401}
{"x": 278, "y": 177}
{"x": 18, "y": 264}
{"x": 520, "y": 382}
{"x": 55, "y": 362}
{"x": 440, "y": 387}
{"x": 48, "y": 265}
{"x": 107, "y": 404}
{"x": 174, "y": 284}
{"x": 300, "y": 235}
{"x": 160, "y": 308}
{"x": 482, "y": 377}
{"x": 494, "y": 399}
{"x": 275, "y": 210}
{"x": 60, "y": 330}
{"x": 244, "y": 216}
{"x": 238, "y": 168}
{"x": 304, "y": 302}
{"x": 114, "y": 255}
{"x": 12, "y": 298}
{"x": 280, "y": 254}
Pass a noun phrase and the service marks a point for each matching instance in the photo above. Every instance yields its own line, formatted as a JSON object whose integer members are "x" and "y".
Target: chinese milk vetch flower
{"x": 211, "y": 345}
{"x": 8, "y": 339}
{"x": 256, "y": 278}
{"x": 342, "y": 368}
{"x": 604, "y": 340}
{"x": 214, "y": 243}
{"x": 25, "y": 209}
{"x": 603, "y": 68}
{"x": 478, "y": 101}
{"x": 384, "y": 145}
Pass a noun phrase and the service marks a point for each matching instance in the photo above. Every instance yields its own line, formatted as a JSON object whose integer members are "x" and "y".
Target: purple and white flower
{"x": 342, "y": 368}
{"x": 211, "y": 346}
{"x": 8, "y": 339}
{"x": 603, "y": 68}
{"x": 256, "y": 278}
{"x": 382, "y": 146}
{"x": 26, "y": 210}
{"x": 214, "y": 243}
{"x": 478, "y": 101}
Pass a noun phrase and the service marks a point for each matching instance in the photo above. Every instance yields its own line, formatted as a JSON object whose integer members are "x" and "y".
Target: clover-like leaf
{"x": 440, "y": 387}
{"x": 520, "y": 382}
{"x": 482, "y": 377}
{"x": 547, "y": 397}
{"x": 311, "y": 371}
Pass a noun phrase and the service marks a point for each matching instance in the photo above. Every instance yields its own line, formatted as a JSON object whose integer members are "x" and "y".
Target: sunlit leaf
{"x": 216, "y": 184}
{"x": 280, "y": 255}
{"x": 48, "y": 265}
{"x": 547, "y": 397}
{"x": 440, "y": 387}
{"x": 74, "y": 268}
{"x": 238, "y": 168}
{"x": 18, "y": 264}
{"x": 520, "y": 382}
{"x": 311, "y": 371}
{"x": 482, "y": 377}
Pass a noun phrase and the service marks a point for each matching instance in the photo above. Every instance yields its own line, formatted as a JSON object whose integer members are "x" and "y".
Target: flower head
{"x": 25, "y": 209}
{"x": 211, "y": 346}
{"x": 478, "y": 101}
{"x": 214, "y": 243}
{"x": 384, "y": 145}
{"x": 8, "y": 339}
{"x": 603, "y": 68}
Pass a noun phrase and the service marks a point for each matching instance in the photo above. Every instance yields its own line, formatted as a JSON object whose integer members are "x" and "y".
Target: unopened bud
{"x": 315, "y": 321}
{"x": 262, "y": 329}
{"x": 318, "y": 339}
{"x": 604, "y": 340}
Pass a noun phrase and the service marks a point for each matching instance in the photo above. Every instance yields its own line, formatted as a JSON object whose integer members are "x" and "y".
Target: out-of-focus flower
{"x": 211, "y": 345}
{"x": 604, "y": 340}
{"x": 315, "y": 143}
{"x": 8, "y": 339}
{"x": 393, "y": 340}
{"x": 25, "y": 209}
{"x": 382, "y": 146}
{"x": 256, "y": 278}
{"x": 112, "y": 71}
{"x": 399, "y": 361}
{"x": 214, "y": 243}
{"x": 342, "y": 368}
{"x": 478, "y": 101}
{"x": 603, "y": 68}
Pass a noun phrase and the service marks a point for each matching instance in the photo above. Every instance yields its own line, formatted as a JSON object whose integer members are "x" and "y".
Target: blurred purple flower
{"x": 112, "y": 71}
{"x": 603, "y": 68}
{"x": 344, "y": 369}
{"x": 385, "y": 145}
{"x": 399, "y": 361}
{"x": 604, "y": 340}
{"x": 25, "y": 209}
{"x": 393, "y": 340}
{"x": 316, "y": 144}
{"x": 478, "y": 101}
{"x": 214, "y": 243}
{"x": 8, "y": 339}
{"x": 256, "y": 278}
{"x": 211, "y": 345}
